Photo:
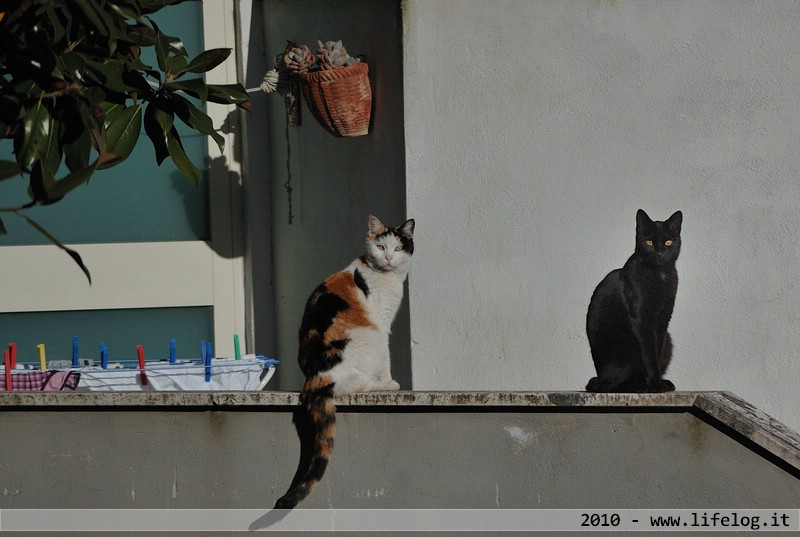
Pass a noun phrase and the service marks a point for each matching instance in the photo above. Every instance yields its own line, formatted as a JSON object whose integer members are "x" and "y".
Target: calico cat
{"x": 344, "y": 344}
{"x": 630, "y": 310}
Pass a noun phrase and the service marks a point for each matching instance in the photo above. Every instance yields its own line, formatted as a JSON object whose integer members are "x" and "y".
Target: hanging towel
{"x": 36, "y": 381}
{"x": 58, "y": 380}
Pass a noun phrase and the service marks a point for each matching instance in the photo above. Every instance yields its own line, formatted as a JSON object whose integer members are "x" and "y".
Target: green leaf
{"x": 175, "y": 64}
{"x": 156, "y": 134}
{"x": 199, "y": 121}
{"x": 180, "y": 159}
{"x": 151, "y": 6}
{"x": 125, "y": 12}
{"x": 170, "y": 53}
{"x": 229, "y": 94}
{"x": 97, "y": 17}
{"x": 207, "y": 60}
{"x": 38, "y": 185}
{"x": 77, "y": 152}
{"x": 93, "y": 118}
{"x": 64, "y": 186}
{"x": 101, "y": 28}
{"x": 36, "y": 125}
{"x": 196, "y": 87}
{"x": 122, "y": 132}
{"x": 9, "y": 168}
{"x": 75, "y": 135}
{"x": 27, "y": 87}
{"x": 141, "y": 35}
{"x": 135, "y": 78}
{"x": 72, "y": 253}
{"x": 162, "y": 48}
{"x": 110, "y": 75}
{"x": 51, "y": 152}
{"x": 58, "y": 28}
{"x": 72, "y": 64}
{"x": 165, "y": 118}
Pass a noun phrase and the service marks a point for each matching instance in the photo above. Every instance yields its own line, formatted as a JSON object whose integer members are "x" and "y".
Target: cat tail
{"x": 315, "y": 421}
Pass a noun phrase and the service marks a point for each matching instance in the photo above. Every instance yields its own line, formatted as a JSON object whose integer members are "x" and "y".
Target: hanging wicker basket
{"x": 340, "y": 99}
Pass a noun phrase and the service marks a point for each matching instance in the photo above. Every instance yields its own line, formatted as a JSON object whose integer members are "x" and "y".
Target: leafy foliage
{"x": 74, "y": 90}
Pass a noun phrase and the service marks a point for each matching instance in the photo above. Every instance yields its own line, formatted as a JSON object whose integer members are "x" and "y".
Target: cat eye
{"x": 381, "y": 247}
{"x": 648, "y": 243}
{"x": 668, "y": 243}
{"x": 398, "y": 248}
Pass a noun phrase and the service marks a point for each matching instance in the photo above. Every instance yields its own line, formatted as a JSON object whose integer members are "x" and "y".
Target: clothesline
{"x": 245, "y": 361}
{"x": 242, "y": 372}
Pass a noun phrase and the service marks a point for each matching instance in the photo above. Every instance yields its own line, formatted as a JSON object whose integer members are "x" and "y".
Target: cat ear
{"x": 642, "y": 220}
{"x": 407, "y": 229}
{"x": 375, "y": 226}
{"x": 674, "y": 222}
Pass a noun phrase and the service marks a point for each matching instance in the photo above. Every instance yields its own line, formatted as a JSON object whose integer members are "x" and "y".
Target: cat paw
{"x": 596, "y": 385}
{"x": 661, "y": 386}
{"x": 393, "y": 385}
{"x": 383, "y": 386}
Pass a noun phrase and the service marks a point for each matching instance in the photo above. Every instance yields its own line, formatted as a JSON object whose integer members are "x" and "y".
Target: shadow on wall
{"x": 336, "y": 182}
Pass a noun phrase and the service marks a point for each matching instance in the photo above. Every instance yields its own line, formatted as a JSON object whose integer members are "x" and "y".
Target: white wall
{"x": 536, "y": 128}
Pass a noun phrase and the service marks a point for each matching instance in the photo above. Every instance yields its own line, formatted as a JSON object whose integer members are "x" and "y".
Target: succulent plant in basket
{"x": 333, "y": 55}
{"x": 334, "y": 83}
{"x": 298, "y": 60}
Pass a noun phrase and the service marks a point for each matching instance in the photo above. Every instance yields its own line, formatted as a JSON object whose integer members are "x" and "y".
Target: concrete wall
{"x": 534, "y": 131}
{"x": 410, "y": 450}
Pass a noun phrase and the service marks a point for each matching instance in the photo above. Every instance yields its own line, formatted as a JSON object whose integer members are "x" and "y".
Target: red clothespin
{"x": 7, "y": 363}
{"x": 143, "y": 375}
{"x": 12, "y": 349}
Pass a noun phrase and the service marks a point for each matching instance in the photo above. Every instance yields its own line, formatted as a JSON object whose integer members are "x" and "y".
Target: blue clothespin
{"x": 103, "y": 356}
{"x": 208, "y": 354}
{"x": 172, "y": 351}
{"x": 75, "y": 360}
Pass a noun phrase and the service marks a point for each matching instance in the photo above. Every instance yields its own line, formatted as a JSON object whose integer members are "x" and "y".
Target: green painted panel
{"x": 122, "y": 330}
{"x": 136, "y": 201}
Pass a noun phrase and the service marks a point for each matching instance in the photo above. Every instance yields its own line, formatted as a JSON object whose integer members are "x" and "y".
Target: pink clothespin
{"x": 12, "y": 349}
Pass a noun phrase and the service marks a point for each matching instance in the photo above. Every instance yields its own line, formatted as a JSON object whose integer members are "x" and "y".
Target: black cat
{"x": 630, "y": 311}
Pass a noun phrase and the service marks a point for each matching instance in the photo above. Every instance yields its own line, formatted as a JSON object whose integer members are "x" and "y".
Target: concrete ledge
{"x": 723, "y": 407}
{"x": 431, "y": 450}
{"x": 382, "y": 399}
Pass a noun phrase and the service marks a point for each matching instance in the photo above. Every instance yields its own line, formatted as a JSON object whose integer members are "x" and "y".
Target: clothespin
{"x": 236, "y": 350}
{"x": 42, "y": 357}
{"x": 172, "y": 349}
{"x": 103, "y": 356}
{"x": 140, "y": 354}
{"x": 7, "y": 364}
{"x": 208, "y": 354}
{"x": 75, "y": 361}
{"x": 12, "y": 350}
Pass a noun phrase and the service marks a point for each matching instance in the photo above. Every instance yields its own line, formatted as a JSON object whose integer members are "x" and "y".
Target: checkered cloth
{"x": 37, "y": 381}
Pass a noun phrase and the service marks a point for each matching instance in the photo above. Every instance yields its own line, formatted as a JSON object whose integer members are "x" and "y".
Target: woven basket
{"x": 340, "y": 99}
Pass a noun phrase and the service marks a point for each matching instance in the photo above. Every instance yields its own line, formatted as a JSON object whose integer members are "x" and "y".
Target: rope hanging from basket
{"x": 335, "y": 86}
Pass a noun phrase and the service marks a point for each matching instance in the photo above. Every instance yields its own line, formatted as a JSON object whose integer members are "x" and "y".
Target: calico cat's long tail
{"x": 315, "y": 421}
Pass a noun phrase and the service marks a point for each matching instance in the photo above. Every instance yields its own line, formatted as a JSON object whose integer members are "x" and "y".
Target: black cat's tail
{"x": 315, "y": 421}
